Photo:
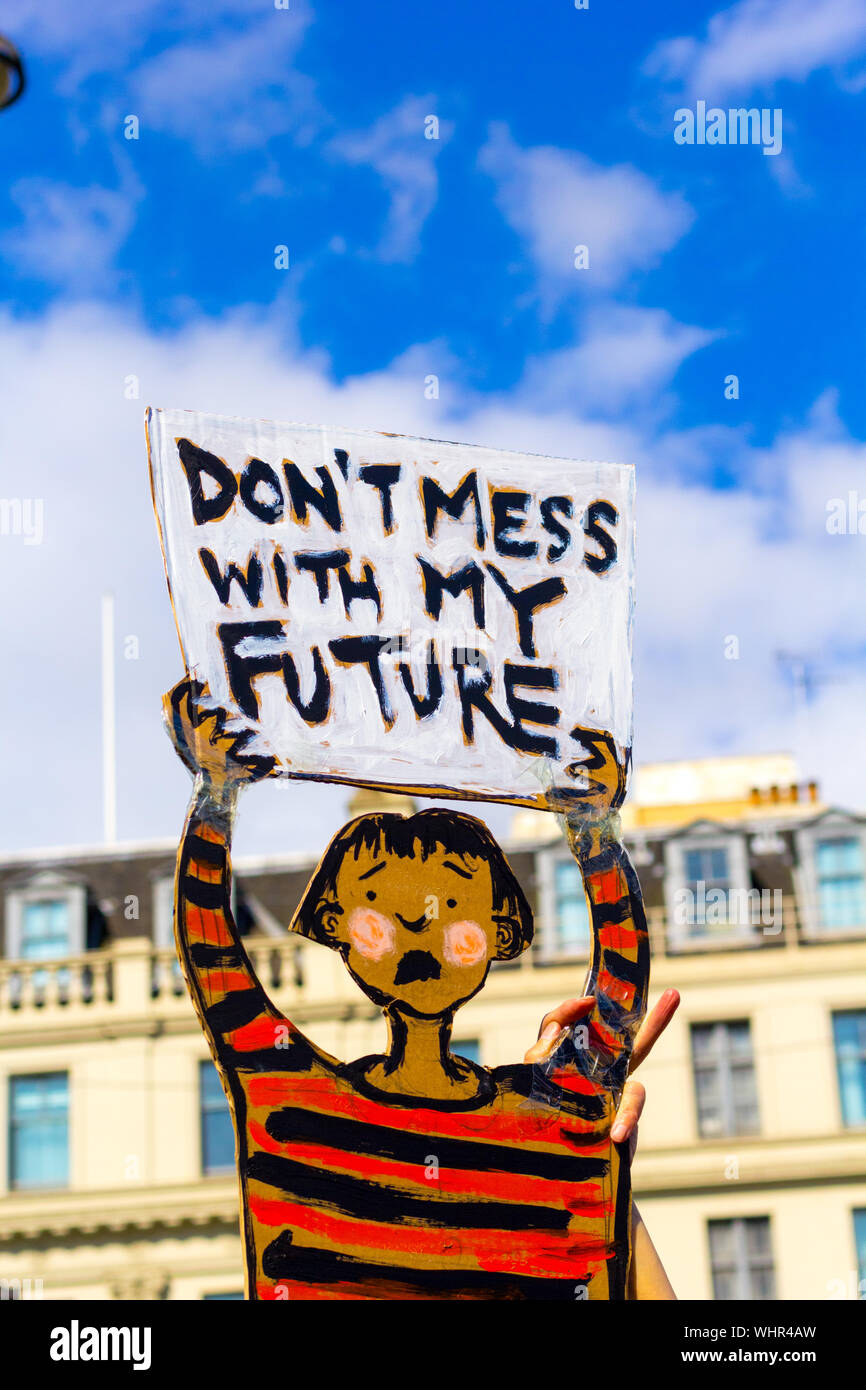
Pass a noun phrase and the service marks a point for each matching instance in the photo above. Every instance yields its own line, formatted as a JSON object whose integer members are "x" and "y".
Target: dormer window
{"x": 707, "y": 887}
{"x": 707, "y": 880}
{"x": 565, "y": 923}
{"x": 841, "y": 882}
{"x": 46, "y": 919}
{"x": 831, "y": 855}
{"x": 45, "y": 929}
{"x": 571, "y": 929}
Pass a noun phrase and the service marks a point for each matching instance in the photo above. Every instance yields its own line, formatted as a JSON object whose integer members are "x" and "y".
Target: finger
{"x": 629, "y": 1112}
{"x": 546, "y": 1045}
{"x": 212, "y": 727}
{"x": 568, "y": 1012}
{"x": 554, "y": 1026}
{"x": 194, "y": 700}
{"x": 653, "y": 1026}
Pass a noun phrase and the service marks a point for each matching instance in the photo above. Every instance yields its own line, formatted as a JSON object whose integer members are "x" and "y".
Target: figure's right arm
{"x": 233, "y": 1008}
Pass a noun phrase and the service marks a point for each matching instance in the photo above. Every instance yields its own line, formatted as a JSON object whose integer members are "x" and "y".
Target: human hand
{"x": 552, "y": 1030}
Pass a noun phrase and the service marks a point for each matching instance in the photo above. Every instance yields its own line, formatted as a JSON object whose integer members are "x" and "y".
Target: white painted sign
{"x": 399, "y": 612}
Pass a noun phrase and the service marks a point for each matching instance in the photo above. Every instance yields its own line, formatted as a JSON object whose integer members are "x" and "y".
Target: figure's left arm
{"x": 618, "y": 975}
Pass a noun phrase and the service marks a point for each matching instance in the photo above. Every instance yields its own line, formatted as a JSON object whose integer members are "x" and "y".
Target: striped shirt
{"x": 348, "y": 1193}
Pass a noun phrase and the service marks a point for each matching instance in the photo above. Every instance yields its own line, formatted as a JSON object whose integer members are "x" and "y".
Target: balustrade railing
{"x": 131, "y": 976}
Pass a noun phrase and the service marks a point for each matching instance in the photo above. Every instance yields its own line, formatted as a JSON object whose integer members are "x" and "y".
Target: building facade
{"x": 116, "y": 1154}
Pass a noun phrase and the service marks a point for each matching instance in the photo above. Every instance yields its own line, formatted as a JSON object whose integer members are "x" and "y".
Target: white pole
{"x": 109, "y": 740}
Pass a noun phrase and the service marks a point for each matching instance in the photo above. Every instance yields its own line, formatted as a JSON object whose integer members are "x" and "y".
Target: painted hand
{"x": 599, "y": 776}
{"x": 202, "y": 742}
{"x": 554, "y": 1024}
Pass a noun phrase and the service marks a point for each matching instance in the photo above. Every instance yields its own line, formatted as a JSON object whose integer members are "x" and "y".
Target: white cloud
{"x": 755, "y": 561}
{"x": 230, "y": 89}
{"x": 69, "y": 235}
{"x": 397, "y": 148}
{"x": 97, "y": 44}
{"x": 758, "y": 42}
{"x": 556, "y": 200}
{"x": 57, "y": 29}
{"x": 220, "y": 75}
{"x": 626, "y": 355}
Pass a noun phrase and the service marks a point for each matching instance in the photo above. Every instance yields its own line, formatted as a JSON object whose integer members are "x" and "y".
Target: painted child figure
{"x": 416, "y": 1174}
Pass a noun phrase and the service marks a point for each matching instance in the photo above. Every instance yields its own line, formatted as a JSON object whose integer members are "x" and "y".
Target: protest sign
{"x": 399, "y": 612}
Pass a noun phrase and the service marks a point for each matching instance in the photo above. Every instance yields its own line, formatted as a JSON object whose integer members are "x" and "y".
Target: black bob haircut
{"x": 411, "y": 837}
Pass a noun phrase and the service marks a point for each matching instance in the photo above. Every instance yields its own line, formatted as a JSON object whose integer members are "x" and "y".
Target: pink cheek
{"x": 371, "y": 934}
{"x": 464, "y": 943}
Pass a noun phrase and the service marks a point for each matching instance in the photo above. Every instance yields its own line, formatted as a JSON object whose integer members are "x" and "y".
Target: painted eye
{"x": 452, "y": 902}
{"x": 371, "y": 895}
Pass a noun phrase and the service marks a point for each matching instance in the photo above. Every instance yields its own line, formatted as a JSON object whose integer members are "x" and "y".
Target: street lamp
{"x": 11, "y": 73}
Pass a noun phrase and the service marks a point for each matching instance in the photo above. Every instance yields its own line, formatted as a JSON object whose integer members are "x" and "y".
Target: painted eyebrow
{"x": 462, "y": 872}
{"x": 376, "y": 869}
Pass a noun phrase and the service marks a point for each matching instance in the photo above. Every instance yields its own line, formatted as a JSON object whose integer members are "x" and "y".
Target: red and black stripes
{"x": 348, "y": 1193}
{"x": 218, "y": 971}
{"x": 620, "y": 965}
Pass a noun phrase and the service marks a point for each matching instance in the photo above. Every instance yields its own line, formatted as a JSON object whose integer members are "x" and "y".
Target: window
{"x": 849, "y": 1039}
{"x": 217, "y": 1131}
{"x": 563, "y": 911}
{"x": 706, "y": 871}
{"x": 571, "y": 928}
{"x": 46, "y": 919}
{"x": 831, "y": 873}
{"x": 39, "y": 1130}
{"x": 707, "y": 887}
{"x": 45, "y": 929}
{"x": 724, "y": 1071}
{"x": 470, "y": 1048}
{"x": 860, "y": 1246}
{"x": 741, "y": 1259}
{"x": 44, "y": 935}
{"x": 166, "y": 972}
{"x": 841, "y": 883}
{"x": 163, "y": 912}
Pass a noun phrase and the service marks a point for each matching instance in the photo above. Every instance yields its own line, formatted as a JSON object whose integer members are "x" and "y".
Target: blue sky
{"x": 260, "y": 127}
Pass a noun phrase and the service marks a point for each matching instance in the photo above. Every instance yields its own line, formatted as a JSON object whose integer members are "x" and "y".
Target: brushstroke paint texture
{"x": 530, "y": 1199}
{"x": 374, "y": 584}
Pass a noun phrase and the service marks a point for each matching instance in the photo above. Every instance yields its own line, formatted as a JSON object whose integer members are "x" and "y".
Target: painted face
{"x": 418, "y": 932}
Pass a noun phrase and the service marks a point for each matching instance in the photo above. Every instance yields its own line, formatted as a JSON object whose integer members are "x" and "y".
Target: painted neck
{"x": 417, "y": 1047}
{"x": 418, "y": 1062}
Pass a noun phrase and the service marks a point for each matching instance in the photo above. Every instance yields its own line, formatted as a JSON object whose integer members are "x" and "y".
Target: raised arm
{"x": 234, "y": 1010}
{"x": 620, "y": 965}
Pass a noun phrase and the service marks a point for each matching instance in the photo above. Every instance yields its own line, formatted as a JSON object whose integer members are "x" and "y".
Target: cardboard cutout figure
{"x": 417, "y": 1173}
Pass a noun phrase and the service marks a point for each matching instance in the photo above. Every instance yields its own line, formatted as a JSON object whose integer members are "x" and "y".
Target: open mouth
{"x": 417, "y": 965}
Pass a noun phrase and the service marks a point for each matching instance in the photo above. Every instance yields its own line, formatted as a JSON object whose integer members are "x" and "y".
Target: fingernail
{"x": 619, "y": 1132}
{"x": 550, "y": 1032}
